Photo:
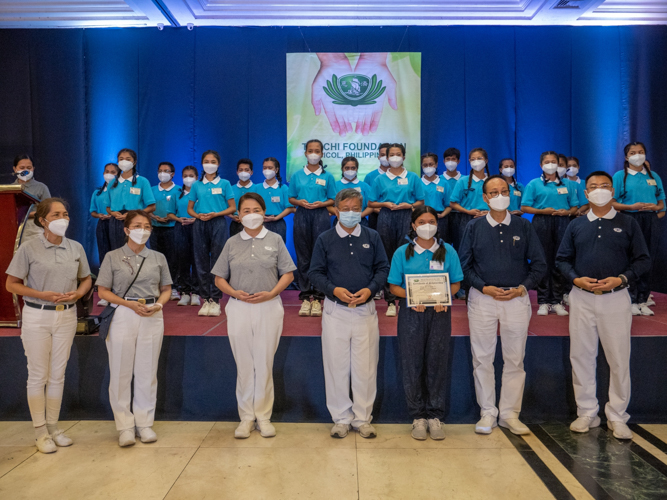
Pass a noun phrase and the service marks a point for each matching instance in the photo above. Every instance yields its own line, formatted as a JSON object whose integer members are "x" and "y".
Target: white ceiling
{"x": 142, "y": 13}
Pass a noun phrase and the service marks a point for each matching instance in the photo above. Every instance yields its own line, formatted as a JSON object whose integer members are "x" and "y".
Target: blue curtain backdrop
{"x": 73, "y": 98}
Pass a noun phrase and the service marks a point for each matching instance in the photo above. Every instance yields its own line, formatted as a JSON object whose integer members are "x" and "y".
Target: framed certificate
{"x": 428, "y": 289}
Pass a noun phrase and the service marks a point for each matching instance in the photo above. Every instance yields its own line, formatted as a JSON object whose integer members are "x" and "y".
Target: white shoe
{"x": 126, "y": 438}
{"x": 514, "y": 425}
{"x": 377, "y": 296}
{"x": 636, "y": 311}
{"x": 305, "y": 308}
{"x": 391, "y": 310}
{"x": 620, "y": 430}
{"x": 560, "y": 310}
{"x": 146, "y": 434}
{"x": 185, "y": 300}
{"x": 265, "y": 428}
{"x": 584, "y": 424}
{"x": 194, "y": 300}
{"x": 174, "y": 294}
{"x": 643, "y": 308}
{"x": 566, "y": 299}
{"x": 650, "y": 302}
{"x": 45, "y": 444}
{"x": 339, "y": 430}
{"x": 102, "y": 303}
{"x": 435, "y": 429}
{"x": 543, "y": 310}
{"x": 61, "y": 439}
{"x": 419, "y": 429}
{"x": 316, "y": 308}
{"x": 205, "y": 308}
{"x": 244, "y": 429}
{"x": 213, "y": 308}
{"x": 486, "y": 424}
{"x": 366, "y": 431}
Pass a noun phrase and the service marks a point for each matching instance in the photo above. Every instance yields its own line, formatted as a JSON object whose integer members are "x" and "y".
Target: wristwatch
{"x": 624, "y": 280}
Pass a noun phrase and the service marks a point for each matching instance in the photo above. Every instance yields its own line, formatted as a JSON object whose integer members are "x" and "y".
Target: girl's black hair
{"x": 384, "y": 145}
{"x": 276, "y": 167}
{"x": 348, "y": 159}
{"x": 204, "y": 155}
{"x": 169, "y": 164}
{"x": 559, "y": 182}
{"x": 396, "y": 145}
{"x": 626, "y": 164}
{"x": 486, "y": 167}
{"x": 574, "y": 159}
{"x": 244, "y": 161}
{"x": 430, "y": 155}
{"x": 100, "y": 189}
{"x": 134, "y": 169}
{"x": 321, "y": 148}
{"x": 440, "y": 253}
{"x": 18, "y": 158}
{"x": 500, "y": 168}
{"x": 185, "y": 169}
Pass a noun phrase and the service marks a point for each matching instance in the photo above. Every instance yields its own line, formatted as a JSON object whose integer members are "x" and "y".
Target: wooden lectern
{"x": 14, "y": 208}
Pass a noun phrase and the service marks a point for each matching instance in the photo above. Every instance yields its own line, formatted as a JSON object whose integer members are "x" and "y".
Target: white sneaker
{"x": 244, "y": 429}
{"x": 377, "y": 296}
{"x": 643, "y": 308}
{"x": 543, "y": 310}
{"x": 316, "y": 308}
{"x": 514, "y": 425}
{"x": 620, "y": 430}
{"x": 126, "y": 438}
{"x": 185, "y": 300}
{"x": 635, "y": 310}
{"x": 61, "y": 439}
{"x": 435, "y": 429}
{"x": 560, "y": 310}
{"x": 194, "y": 300}
{"x": 174, "y": 294}
{"x": 205, "y": 308}
{"x": 650, "y": 302}
{"x": 566, "y": 299}
{"x": 102, "y": 303}
{"x": 584, "y": 424}
{"x": 339, "y": 430}
{"x": 213, "y": 308}
{"x": 265, "y": 428}
{"x": 146, "y": 434}
{"x": 305, "y": 308}
{"x": 45, "y": 444}
{"x": 391, "y": 310}
{"x": 486, "y": 424}
{"x": 366, "y": 431}
{"x": 419, "y": 429}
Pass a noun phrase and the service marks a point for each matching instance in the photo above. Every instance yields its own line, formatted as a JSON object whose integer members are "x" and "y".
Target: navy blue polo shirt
{"x": 505, "y": 254}
{"x": 600, "y": 248}
{"x": 352, "y": 261}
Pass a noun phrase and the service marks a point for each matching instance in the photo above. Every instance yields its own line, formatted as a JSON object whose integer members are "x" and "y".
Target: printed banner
{"x": 353, "y": 102}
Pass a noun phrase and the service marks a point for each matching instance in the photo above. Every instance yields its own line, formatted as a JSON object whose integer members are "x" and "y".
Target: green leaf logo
{"x": 354, "y": 90}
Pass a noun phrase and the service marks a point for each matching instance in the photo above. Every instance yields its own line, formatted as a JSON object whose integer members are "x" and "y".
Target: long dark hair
{"x": 559, "y": 182}
{"x": 185, "y": 169}
{"x": 276, "y": 167}
{"x": 204, "y": 155}
{"x": 20, "y": 157}
{"x": 321, "y": 148}
{"x": 486, "y": 167}
{"x": 440, "y": 253}
{"x": 100, "y": 190}
{"x": 626, "y": 165}
{"x": 134, "y": 169}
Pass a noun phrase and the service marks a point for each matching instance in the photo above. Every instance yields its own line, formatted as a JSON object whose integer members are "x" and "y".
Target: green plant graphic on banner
{"x": 354, "y": 90}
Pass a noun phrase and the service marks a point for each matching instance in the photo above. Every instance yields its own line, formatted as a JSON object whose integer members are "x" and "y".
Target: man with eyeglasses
{"x": 601, "y": 254}
{"x": 502, "y": 259}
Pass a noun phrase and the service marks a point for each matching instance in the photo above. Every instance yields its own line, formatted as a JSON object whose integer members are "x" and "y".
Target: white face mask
{"x": 350, "y": 174}
{"x": 600, "y": 197}
{"x": 244, "y": 176}
{"x": 426, "y": 231}
{"x": 395, "y": 161}
{"x": 428, "y": 171}
{"x": 139, "y": 236}
{"x": 58, "y": 226}
{"x": 252, "y": 221}
{"x": 508, "y": 171}
{"x": 561, "y": 171}
{"x": 499, "y": 203}
{"x": 109, "y": 177}
{"x": 210, "y": 168}
{"x": 550, "y": 168}
{"x": 189, "y": 181}
{"x": 25, "y": 175}
{"x": 269, "y": 174}
{"x": 637, "y": 160}
{"x": 451, "y": 165}
{"x": 125, "y": 165}
{"x": 383, "y": 161}
{"x": 313, "y": 159}
{"x": 478, "y": 165}
{"x": 164, "y": 177}
{"x": 572, "y": 171}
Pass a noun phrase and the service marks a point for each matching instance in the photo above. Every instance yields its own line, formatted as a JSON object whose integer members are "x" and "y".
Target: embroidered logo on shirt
{"x": 516, "y": 238}
{"x": 618, "y": 229}
{"x": 268, "y": 248}
{"x": 366, "y": 245}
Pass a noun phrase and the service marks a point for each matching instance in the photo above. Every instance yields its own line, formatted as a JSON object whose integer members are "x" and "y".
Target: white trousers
{"x": 484, "y": 315}
{"x": 350, "y": 349}
{"x": 134, "y": 344}
{"x": 47, "y": 340}
{"x": 254, "y": 332}
{"x": 608, "y": 318}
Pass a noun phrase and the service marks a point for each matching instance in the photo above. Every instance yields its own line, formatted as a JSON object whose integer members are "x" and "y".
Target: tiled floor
{"x": 202, "y": 460}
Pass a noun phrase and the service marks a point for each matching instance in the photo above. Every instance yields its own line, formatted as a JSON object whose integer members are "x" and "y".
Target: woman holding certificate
{"x": 424, "y": 331}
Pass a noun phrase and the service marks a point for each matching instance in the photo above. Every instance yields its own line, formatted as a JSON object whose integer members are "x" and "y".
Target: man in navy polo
{"x": 350, "y": 266}
{"x": 601, "y": 254}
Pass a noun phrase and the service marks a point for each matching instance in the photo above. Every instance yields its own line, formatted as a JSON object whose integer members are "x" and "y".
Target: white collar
{"x": 275, "y": 186}
{"x": 120, "y": 178}
{"x": 427, "y": 182}
{"x": 609, "y": 215}
{"x": 477, "y": 179}
{"x": 456, "y": 177}
{"x": 160, "y": 188}
{"x": 634, "y": 172}
{"x": 506, "y": 221}
{"x": 578, "y": 181}
{"x": 238, "y": 184}
{"x": 344, "y": 234}
{"x": 382, "y": 172}
{"x": 345, "y": 181}
{"x": 246, "y": 236}
{"x": 214, "y": 181}
{"x": 420, "y": 250}
{"x": 402, "y": 175}
{"x": 308, "y": 172}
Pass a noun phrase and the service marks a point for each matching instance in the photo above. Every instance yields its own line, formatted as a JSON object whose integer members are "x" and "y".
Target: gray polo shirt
{"x": 254, "y": 264}
{"x": 36, "y": 189}
{"x": 121, "y": 265}
{"x": 47, "y": 267}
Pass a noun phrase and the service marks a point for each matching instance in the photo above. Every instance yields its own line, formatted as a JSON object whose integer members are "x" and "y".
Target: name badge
{"x": 517, "y": 193}
{"x": 434, "y": 265}
{"x": 402, "y": 182}
{"x": 651, "y": 182}
{"x": 321, "y": 182}
{"x": 357, "y": 189}
{"x": 135, "y": 190}
{"x": 216, "y": 191}
{"x": 275, "y": 199}
{"x": 169, "y": 198}
{"x": 440, "y": 189}
{"x": 562, "y": 190}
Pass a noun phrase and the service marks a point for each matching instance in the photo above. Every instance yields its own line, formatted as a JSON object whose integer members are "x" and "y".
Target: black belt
{"x": 602, "y": 292}
{"x": 59, "y": 307}
{"x": 143, "y": 301}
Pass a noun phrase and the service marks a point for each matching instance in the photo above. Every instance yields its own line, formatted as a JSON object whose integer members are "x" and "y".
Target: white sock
{"x": 52, "y": 428}
{"x": 41, "y": 431}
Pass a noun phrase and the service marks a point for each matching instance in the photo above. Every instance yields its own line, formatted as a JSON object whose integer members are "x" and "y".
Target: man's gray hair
{"x": 346, "y": 194}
